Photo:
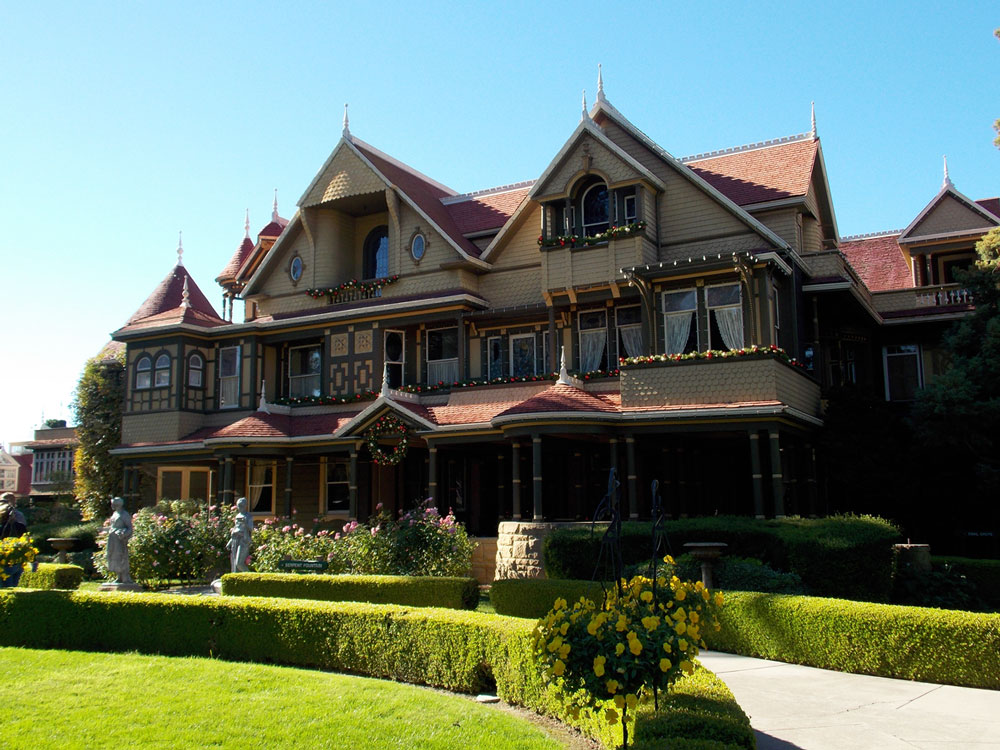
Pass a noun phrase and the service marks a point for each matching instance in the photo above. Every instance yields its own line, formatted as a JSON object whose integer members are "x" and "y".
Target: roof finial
{"x": 180, "y": 248}
{"x": 246, "y": 224}
{"x": 262, "y": 406}
{"x": 185, "y": 295}
{"x": 600, "y": 84}
{"x": 347, "y": 123}
{"x": 812, "y": 131}
{"x": 563, "y": 372}
{"x": 583, "y": 113}
{"x": 947, "y": 180}
{"x": 385, "y": 379}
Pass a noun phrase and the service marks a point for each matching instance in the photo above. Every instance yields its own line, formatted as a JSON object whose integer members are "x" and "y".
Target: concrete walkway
{"x": 791, "y": 706}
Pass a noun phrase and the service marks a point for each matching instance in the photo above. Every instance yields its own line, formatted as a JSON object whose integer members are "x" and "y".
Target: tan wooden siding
{"x": 723, "y": 247}
{"x": 603, "y": 161}
{"x": 345, "y": 176}
{"x": 949, "y": 216}
{"x": 782, "y": 223}
{"x": 163, "y": 426}
{"x": 521, "y": 247}
{"x": 513, "y": 287}
{"x": 687, "y": 213}
{"x": 812, "y": 235}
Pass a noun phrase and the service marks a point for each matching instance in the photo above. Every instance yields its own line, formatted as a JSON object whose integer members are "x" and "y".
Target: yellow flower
{"x": 717, "y": 627}
{"x": 680, "y": 595}
{"x": 631, "y": 700}
{"x": 611, "y": 715}
{"x": 620, "y": 702}
{"x": 682, "y": 644}
{"x": 619, "y": 649}
{"x": 680, "y": 614}
{"x": 599, "y": 665}
{"x": 693, "y": 617}
{"x": 555, "y": 643}
{"x": 698, "y": 585}
{"x": 564, "y": 651}
{"x": 621, "y": 624}
{"x": 564, "y": 628}
{"x": 705, "y": 595}
{"x": 593, "y": 625}
{"x": 560, "y": 603}
{"x": 612, "y": 686}
{"x": 679, "y": 628}
{"x": 635, "y": 646}
{"x": 646, "y": 596}
{"x": 651, "y": 623}
{"x": 666, "y": 647}
{"x": 668, "y": 559}
{"x": 718, "y": 598}
{"x": 687, "y": 666}
{"x": 693, "y": 632}
{"x": 558, "y": 668}
{"x": 665, "y": 665}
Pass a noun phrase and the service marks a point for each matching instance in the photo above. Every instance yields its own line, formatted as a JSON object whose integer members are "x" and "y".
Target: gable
{"x": 344, "y": 175}
{"x": 949, "y": 215}
{"x": 586, "y": 156}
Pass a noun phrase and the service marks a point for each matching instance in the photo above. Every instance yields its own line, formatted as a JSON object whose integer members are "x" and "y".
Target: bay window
{"x": 161, "y": 373}
{"x": 229, "y": 377}
{"x": 628, "y": 320}
{"x": 442, "y": 355}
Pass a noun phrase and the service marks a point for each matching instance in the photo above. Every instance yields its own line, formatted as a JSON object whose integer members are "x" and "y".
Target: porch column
{"x": 288, "y": 486}
{"x": 553, "y": 363}
{"x": 501, "y": 487}
{"x": 758, "y": 480}
{"x": 135, "y": 494}
{"x": 613, "y": 455}
{"x": 792, "y": 464}
{"x": 536, "y": 472}
{"x": 220, "y": 478}
{"x": 352, "y": 484}
{"x": 777, "y": 478}
{"x": 667, "y": 491}
{"x": 127, "y": 486}
{"x": 515, "y": 481}
{"x": 633, "y": 495}
{"x": 432, "y": 473}
{"x": 227, "y": 483}
{"x": 462, "y": 346}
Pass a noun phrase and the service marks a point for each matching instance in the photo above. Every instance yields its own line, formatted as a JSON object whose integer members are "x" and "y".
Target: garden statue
{"x": 239, "y": 538}
{"x": 119, "y": 532}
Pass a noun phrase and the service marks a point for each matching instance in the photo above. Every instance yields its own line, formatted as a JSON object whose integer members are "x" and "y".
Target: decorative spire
{"x": 564, "y": 378}
{"x": 347, "y": 124}
{"x": 385, "y": 379}
{"x": 180, "y": 248}
{"x": 185, "y": 295}
{"x": 274, "y": 211}
{"x": 262, "y": 406}
{"x": 600, "y": 84}
{"x": 583, "y": 113}
{"x": 246, "y": 224}
{"x": 947, "y": 180}
{"x": 812, "y": 130}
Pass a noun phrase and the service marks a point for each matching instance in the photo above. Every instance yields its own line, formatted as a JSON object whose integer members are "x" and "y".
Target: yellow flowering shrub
{"x": 643, "y": 637}
{"x": 15, "y": 550}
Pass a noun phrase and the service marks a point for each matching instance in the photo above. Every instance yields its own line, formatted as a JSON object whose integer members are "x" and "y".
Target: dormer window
{"x": 375, "y": 256}
{"x": 594, "y": 209}
{"x": 161, "y": 375}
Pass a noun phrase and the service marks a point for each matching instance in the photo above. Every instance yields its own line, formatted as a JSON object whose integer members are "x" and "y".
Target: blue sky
{"x": 124, "y": 123}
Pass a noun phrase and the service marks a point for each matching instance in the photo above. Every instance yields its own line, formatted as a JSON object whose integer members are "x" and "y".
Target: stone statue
{"x": 119, "y": 532}
{"x": 239, "y": 538}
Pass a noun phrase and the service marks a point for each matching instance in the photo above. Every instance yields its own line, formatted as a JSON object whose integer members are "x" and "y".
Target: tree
{"x": 98, "y": 402}
{"x": 996, "y": 124}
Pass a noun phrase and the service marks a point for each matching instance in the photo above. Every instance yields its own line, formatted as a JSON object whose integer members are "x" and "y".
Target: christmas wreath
{"x": 388, "y": 425}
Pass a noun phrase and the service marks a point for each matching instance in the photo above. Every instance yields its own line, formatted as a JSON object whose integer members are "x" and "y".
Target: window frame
{"x": 147, "y": 371}
{"x": 318, "y": 375}
{"x": 584, "y": 224}
{"x": 429, "y": 361}
{"x": 401, "y": 362}
{"x": 418, "y": 235}
{"x": 273, "y": 466}
{"x": 370, "y": 247}
{"x": 235, "y": 377}
{"x": 619, "y": 327}
{"x": 710, "y": 308}
{"x": 489, "y": 357}
{"x": 324, "y": 508}
{"x": 198, "y": 370}
{"x": 534, "y": 354}
{"x": 918, "y": 355}
{"x": 159, "y": 369}
{"x": 580, "y": 331}
{"x": 694, "y": 320}
{"x": 186, "y": 472}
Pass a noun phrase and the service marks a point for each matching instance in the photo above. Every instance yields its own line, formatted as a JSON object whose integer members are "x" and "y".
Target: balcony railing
{"x": 944, "y": 297}
{"x": 354, "y": 290}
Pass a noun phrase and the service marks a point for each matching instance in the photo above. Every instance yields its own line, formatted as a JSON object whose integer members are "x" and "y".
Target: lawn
{"x": 74, "y": 699}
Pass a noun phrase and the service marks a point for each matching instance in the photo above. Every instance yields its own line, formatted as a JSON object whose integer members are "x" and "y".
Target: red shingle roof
{"x": 756, "y": 175}
{"x": 168, "y": 296}
{"x": 486, "y": 210}
{"x": 236, "y": 262}
{"x": 992, "y": 205}
{"x": 564, "y": 398}
{"x": 879, "y": 262}
{"x": 260, "y": 424}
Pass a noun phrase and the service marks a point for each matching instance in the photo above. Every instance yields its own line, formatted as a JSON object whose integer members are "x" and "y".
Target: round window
{"x": 417, "y": 247}
{"x": 295, "y": 270}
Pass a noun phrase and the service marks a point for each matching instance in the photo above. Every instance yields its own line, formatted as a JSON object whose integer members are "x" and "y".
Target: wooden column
{"x": 501, "y": 487}
{"x": 777, "y": 478}
{"x": 288, "y": 486}
{"x": 758, "y": 480}
{"x": 553, "y": 363}
{"x": 352, "y": 484}
{"x": 536, "y": 476}
{"x": 462, "y": 347}
{"x": 221, "y": 478}
{"x": 633, "y": 493}
{"x": 515, "y": 481}
{"x": 227, "y": 483}
{"x": 432, "y": 473}
{"x": 127, "y": 487}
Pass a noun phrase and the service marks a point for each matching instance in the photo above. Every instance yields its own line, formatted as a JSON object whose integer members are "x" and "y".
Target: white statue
{"x": 119, "y": 532}
{"x": 239, "y": 538}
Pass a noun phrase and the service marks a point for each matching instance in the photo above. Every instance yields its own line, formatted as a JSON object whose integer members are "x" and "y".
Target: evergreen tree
{"x": 98, "y": 402}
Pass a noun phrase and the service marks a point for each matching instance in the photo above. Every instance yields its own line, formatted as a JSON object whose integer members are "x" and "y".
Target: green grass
{"x": 73, "y": 699}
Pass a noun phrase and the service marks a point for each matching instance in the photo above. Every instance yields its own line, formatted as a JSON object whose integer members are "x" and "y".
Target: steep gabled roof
{"x": 978, "y": 216}
{"x": 230, "y": 272}
{"x": 485, "y": 210}
{"x": 879, "y": 261}
{"x": 990, "y": 204}
{"x": 168, "y": 296}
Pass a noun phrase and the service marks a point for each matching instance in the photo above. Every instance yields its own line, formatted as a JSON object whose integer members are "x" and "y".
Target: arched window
{"x": 161, "y": 374}
{"x": 594, "y": 209}
{"x": 143, "y": 374}
{"x": 196, "y": 368}
{"x": 376, "y": 253}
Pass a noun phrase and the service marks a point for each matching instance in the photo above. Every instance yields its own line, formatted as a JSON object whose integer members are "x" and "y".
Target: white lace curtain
{"x": 730, "y": 322}
{"x": 592, "y": 345}
{"x": 632, "y": 339}
{"x": 258, "y": 479}
{"x": 678, "y": 332}
{"x": 442, "y": 371}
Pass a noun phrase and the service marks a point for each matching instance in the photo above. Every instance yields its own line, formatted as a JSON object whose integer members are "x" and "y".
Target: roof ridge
{"x": 748, "y": 147}
{"x": 397, "y": 163}
{"x": 871, "y": 235}
{"x": 458, "y": 198}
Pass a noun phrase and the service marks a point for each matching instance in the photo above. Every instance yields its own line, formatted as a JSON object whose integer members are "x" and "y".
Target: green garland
{"x": 388, "y": 424}
{"x": 360, "y": 285}
{"x": 749, "y": 352}
{"x": 575, "y": 240}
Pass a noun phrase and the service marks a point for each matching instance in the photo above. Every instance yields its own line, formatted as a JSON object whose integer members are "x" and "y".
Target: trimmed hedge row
{"x": 534, "y": 597}
{"x": 428, "y": 591}
{"x": 844, "y": 556}
{"x": 463, "y": 651}
{"x": 983, "y": 574}
{"x": 913, "y": 643}
{"x": 52, "y": 576}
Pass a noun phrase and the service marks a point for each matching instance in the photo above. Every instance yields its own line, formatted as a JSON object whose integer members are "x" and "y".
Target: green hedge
{"x": 452, "y": 593}
{"x": 983, "y": 574}
{"x": 534, "y": 597}
{"x": 463, "y": 651}
{"x": 52, "y": 576}
{"x": 85, "y": 534}
{"x": 844, "y": 556}
{"x": 913, "y": 643}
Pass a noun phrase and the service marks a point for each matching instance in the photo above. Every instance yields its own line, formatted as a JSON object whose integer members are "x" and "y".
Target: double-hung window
{"x": 304, "y": 367}
{"x": 260, "y": 486}
{"x": 903, "y": 372}
{"x": 161, "y": 373}
{"x": 522, "y": 355}
{"x": 338, "y": 486}
{"x": 229, "y": 377}
{"x": 593, "y": 340}
{"x": 442, "y": 355}
{"x": 680, "y": 309}
{"x": 143, "y": 372}
{"x": 395, "y": 357}
{"x": 628, "y": 320}
{"x": 725, "y": 316}
{"x": 494, "y": 357}
{"x": 196, "y": 369}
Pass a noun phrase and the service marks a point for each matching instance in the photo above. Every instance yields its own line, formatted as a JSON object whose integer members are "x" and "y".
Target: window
{"x": 338, "y": 486}
{"x": 903, "y": 372}
{"x": 143, "y": 374}
{"x": 229, "y": 377}
{"x": 196, "y": 369}
{"x": 843, "y": 358}
{"x": 594, "y": 209}
{"x": 522, "y": 355}
{"x": 442, "y": 355}
{"x": 161, "y": 373}
{"x": 305, "y": 364}
{"x": 628, "y": 208}
{"x": 395, "y": 357}
{"x": 775, "y": 315}
{"x": 593, "y": 340}
{"x": 679, "y": 310}
{"x": 184, "y": 483}
{"x": 260, "y": 486}
{"x": 628, "y": 320}
{"x": 295, "y": 269}
{"x": 725, "y": 317}
{"x": 375, "y": 255}
{"x": 417, "y": 246}
{"x": 494, "y": 357}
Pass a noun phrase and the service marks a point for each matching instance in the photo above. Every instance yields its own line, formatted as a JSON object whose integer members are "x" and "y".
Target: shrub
{"x": 52, "y": 576}
{"x": 533, "y": 597}
{"x": 451, "y": 593}
{"x": 84, "y": 533}
{"x": 984, "y": 575}
{"x": 464, "y": 651}
{"x": 942, "y": 587}
{"x": 847, "y": 556}
{"x": 742, "y": 574}
{"x": 912, "y": 643}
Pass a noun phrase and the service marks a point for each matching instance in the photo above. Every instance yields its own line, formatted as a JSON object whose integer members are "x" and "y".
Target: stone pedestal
{"x": 519, "y": 546}
{"x": 61, "y": 545}
{"x": 120, "y": 587}
{"x": 917, "y": 555}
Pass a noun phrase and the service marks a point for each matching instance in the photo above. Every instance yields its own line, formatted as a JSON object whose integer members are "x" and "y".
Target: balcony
{"x": 947, "y": 298}
{"x": 354, "y": 290}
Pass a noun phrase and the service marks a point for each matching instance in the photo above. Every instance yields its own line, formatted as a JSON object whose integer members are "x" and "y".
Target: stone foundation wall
{"x": 484, "y": 559}
{"x": 519, "y": 547}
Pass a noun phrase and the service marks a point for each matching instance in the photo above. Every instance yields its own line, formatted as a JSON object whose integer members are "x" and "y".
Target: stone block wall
{"x": 484, "y": 559}
{"x": 519, "y": 547}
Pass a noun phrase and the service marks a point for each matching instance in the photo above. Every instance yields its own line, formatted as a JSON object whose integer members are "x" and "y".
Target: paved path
{"x": 791, "y": 706}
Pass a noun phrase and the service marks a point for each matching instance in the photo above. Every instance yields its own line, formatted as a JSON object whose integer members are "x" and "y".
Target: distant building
{"x": 9, "y": 470}
{"x": 52, "y": 470}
